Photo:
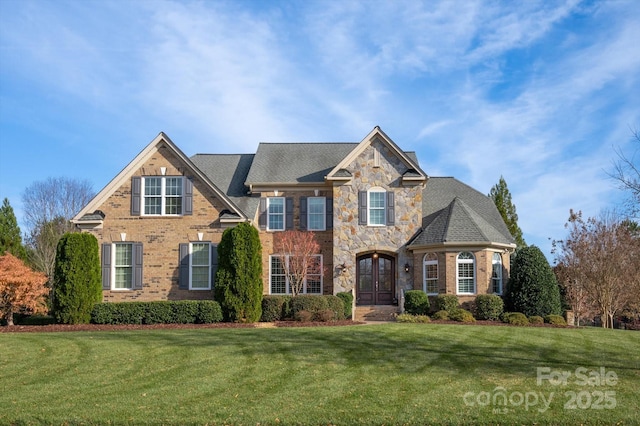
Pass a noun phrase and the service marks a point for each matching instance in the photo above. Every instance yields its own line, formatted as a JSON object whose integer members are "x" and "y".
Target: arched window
{"x": 496, "y": 274}
{"x": 430, "y": 273}
{"x": 466, "y": 273}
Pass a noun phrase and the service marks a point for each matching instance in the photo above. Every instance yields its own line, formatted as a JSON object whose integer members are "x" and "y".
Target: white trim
{"x": 284, "y": 213}
{"x": 163, "y": 196}
{"x": 114, "y": 266}
{"x": 208, "y": 244}
{"x": 323, "y": 214}
{"x": 426, "y": 263}
{"x": 459, "y": 262}
{"x": 287, "y": 283}
{"x": 377, "y": 190}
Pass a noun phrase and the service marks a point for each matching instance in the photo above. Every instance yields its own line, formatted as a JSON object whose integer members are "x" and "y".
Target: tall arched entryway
{"x": 376, "y": 279}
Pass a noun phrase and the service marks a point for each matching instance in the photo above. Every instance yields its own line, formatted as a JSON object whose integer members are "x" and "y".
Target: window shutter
{"x": 391, "y": 208}
{"x": 136, "y": 184}
{"x": 106, "y": 266}
{"x": 183, "y": 280}
{"x": 137, "y": 266}
{"x": 214, "y": 263}
{"x": 289, "y": 213}
{"x": 262, "y": 213}
{"x": 303, "y": 213}
{"x": 362, "y": 207}
{"x": 188, "y": 196}
{"x": 329, "y": 205}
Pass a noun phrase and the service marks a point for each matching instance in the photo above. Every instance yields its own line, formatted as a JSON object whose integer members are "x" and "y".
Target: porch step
{"x": 376, "y": 313}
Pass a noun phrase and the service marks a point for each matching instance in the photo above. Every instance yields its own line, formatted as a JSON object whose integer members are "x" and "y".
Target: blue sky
{"x": 540, "y": 92}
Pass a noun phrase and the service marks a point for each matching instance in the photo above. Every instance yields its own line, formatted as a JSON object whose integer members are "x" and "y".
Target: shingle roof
{"x": 296, "y": 162}
{"x": 455, "y": 212}
{"x": 229, "y": 172}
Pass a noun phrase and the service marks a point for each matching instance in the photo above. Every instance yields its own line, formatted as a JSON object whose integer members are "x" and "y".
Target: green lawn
{"x": 368, "y": 374}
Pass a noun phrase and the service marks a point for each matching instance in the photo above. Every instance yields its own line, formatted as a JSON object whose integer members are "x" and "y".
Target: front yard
{"x": 367, "y": 374}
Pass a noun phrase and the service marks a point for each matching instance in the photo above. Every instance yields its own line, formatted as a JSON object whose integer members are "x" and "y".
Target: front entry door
{"x": 376, "y": 279}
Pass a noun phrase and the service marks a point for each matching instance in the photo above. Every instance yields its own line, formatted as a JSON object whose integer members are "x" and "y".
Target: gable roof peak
{"x": 379, "y": 134}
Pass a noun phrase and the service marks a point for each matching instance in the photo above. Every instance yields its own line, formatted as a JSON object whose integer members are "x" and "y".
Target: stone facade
{"x": 352, "y": 239}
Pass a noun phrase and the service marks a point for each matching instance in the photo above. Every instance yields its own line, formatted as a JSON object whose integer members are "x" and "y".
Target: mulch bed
{"x": 128, "y": 327}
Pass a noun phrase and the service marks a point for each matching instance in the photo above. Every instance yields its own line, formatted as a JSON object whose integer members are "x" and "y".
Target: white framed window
{"x": 377, "y": 207}
{"x": 122, "y": 266}
{"x": 465, "y": 273}
{"x": 200, "y": 264}
{"x": 496, "y": 274}
{"x": 430, "y": 273}
{"x": 279, "y": 281}
{"x": 162, "y": 195}
{"x": 275, "y": 214}
{"x": 316, "y": 213}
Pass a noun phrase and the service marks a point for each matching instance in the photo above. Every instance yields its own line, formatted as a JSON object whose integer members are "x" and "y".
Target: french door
{"x": 375, "y": 277}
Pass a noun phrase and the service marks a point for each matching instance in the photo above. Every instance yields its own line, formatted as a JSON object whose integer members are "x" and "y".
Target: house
{"x": 383, "y": 224}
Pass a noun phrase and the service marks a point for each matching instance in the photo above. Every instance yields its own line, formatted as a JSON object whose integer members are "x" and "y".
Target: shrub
{"x": 275, "y": 308}
{"x": 238, "y": 285}
{"x": 532, "y": 289}
{"x": 536, "y": 319}
{"x": 489, "y": 307}
{"x": 309, "y": 303}
{"x": 336, "y": 305}
{"x": 347, "y": 299}
{"x": 446, "y": 302}
{"x": 303, "y": 316}
{"x": 209, "y": 312}
{"x": 515, "y": 318}
{"x": 408, "y": 318}
{"x": 416, "y": 302}
{"x": 555, "y": 319}
{"x": 77, "y": 278}
{"x": 325, "y": 316}
{"x": 462, "y": 315}
{"x": 163, "y": 312}
{"x": 441, "y": 315}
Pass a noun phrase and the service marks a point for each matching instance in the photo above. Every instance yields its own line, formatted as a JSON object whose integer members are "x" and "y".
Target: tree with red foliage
{"x": 298, "y": 252}
{"x": 21, "y": 288}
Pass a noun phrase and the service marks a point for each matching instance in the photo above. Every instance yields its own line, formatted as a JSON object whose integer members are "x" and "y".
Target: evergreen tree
{"x": 10, "y": 238}
{"x": 502, "y": 199}
{"x": 238, "y": 285}
{"x": 77, "y": 277}
{"x": 533, "y": 288}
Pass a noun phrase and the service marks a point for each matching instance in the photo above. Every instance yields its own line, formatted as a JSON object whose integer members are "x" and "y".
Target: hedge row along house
{"x": 383, "y": 225}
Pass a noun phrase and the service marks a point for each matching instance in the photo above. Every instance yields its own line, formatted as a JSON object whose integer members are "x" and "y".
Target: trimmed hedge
{"x": 347, "y": 299}
{"x": 275, "y": 308}
{"x": 317, "y": 307}
{"x": 555, "y": 319}
{"x": 462, "y": 315}
{"x": 489, "y": 307}
{"x": 162, "y": 312}
{"x": 447, "y": 302}
{"x": 515, "y": 318}
{"x": 416, "y": 302}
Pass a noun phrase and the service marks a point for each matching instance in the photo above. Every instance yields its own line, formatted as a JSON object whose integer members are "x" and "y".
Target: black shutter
{"x": 262, "y": 213}
{"x": 362, "y": 207}
{"x": 289, "y": 213}
{"x": 188, "y": 196}
{"x": 183, "y": 279}
{"x": 136, "y": 185}
{"x": 214, "y": 263}
{"x": 391, "y": 208}
{"x": 303, "y": 213}
{"x": 106, "y": 266}
{"x": 137, "y": 266}
{"x": 329, "y": 205}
